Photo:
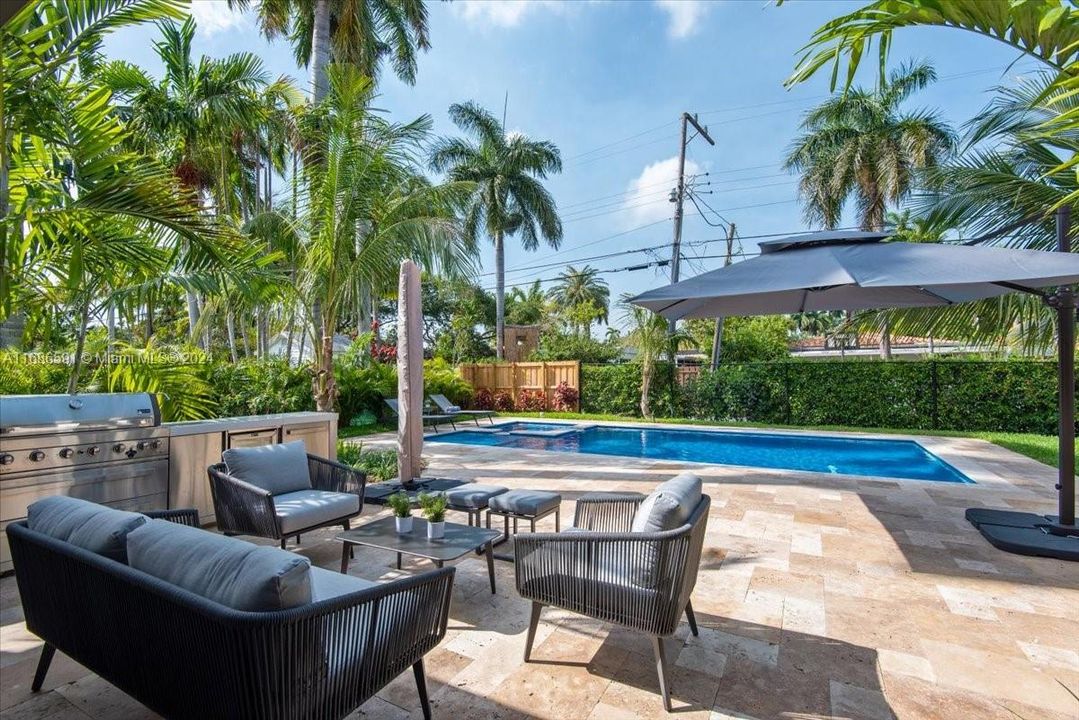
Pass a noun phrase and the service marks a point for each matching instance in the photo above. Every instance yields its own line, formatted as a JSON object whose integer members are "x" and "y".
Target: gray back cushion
{"x": 97, "y": 528}
{"x": 279, "y": 468}
{"x": 669, "y": 505}
{"x": 226, "y": 570}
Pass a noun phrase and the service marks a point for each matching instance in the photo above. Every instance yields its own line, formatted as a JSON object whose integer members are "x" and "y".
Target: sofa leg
{"x": 47, "y": 651}
{"x": 421, "y": 688}
{"x": 533, "y": 623}
{"x": 691, "y": 618}
{"x": 661, "y": 670}
{"x": 283, "y": 541}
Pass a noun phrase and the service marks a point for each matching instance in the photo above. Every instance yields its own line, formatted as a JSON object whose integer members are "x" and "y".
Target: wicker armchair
{"x": 640, "y": 581}
{"x": 246, "y": 509}
{"x": 186, "y": 657}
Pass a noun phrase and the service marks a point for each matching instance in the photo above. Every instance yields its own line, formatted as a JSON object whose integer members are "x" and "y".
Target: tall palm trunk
{"x": 193, "y": 318}
{"x": 230, "y": 325}
{"x": 717, "y": 342}
{"x": 874, "y": 221}
{"x": 646, "y": 389}
{"x": 80, "y": 344}
{"x": 500, "y": 295}
{"x": 320, "y": 50}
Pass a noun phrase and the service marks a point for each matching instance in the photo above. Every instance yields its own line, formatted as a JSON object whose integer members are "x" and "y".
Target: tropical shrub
{"x": 616, "y": 389}
{"x": 252, "y": 387}
{"x": 482, "y": 400}
{"x": 531, "y": 400}
{"x": 379, "y": 465}
{"x": 21, "y": 374}
{"x": 502, "y": 401}
{"x": 565, "y": 398}
{"x": 554, "y": 345}
{"x": 440, "y": 377}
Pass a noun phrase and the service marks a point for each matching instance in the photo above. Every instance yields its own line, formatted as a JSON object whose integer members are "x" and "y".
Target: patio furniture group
{"x": 194, "y": 624}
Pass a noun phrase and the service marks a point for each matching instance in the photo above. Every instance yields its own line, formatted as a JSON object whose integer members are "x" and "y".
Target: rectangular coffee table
{"x": 459, "y": 540}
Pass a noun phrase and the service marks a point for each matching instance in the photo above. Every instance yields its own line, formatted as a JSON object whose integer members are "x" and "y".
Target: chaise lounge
{"x": 630, "y": 560}
{"x": 443, "y": 403}
{"x": 197, "y": 625}
{"x": 432, "y": 420}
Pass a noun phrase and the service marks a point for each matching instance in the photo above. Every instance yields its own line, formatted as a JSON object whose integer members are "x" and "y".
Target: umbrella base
{"x": 378, "y": 493}
{"x": 1027, "y": 533}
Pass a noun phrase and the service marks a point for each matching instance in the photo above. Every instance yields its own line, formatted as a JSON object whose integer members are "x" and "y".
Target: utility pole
{"x": 680, "y": 192}
{"x": 717, "y": 335}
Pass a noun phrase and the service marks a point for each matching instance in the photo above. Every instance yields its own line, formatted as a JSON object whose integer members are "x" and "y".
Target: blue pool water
{"x": 904, "y": 459}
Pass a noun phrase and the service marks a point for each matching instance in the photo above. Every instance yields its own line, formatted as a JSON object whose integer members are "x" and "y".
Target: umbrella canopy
{"x": 409, "y": 374}
{"x": 858, "y": 271}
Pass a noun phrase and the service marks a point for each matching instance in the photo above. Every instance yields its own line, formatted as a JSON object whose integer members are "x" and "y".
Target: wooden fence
{"x": 516, "y": 376}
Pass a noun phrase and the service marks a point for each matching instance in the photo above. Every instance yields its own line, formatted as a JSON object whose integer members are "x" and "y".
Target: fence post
{"x": 934, "y": 388}
{"x": 545, "y": 385}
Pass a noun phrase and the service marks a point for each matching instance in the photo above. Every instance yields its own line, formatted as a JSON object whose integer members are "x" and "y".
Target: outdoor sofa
{"x": 194, "y": 624}
{"x": 281, "y": 491}
{"x": 630, "y": 560}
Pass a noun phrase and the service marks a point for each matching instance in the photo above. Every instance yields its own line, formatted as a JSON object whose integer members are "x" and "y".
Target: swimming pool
{"x": 904, "y": 459}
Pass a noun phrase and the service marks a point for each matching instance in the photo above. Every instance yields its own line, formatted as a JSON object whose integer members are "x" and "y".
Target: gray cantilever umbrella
{"x": 859, "y": 270}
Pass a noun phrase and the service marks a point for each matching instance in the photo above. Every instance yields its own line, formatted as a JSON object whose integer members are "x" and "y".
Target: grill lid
{"x": 42, "y": 414}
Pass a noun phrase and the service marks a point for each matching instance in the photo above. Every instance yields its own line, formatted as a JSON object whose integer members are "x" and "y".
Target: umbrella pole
{"x": 1064, "y": 303}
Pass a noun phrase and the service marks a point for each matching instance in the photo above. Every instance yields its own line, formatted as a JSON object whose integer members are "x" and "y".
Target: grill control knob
{"x": 131, "y": 453}
{"x": 91, "y": 451}
{"x": 155, "y": 444}
{"x": 140, "y": 445}
{"x": 118, "y": 447}
{"x": 37, "y": 456}
{"x": 6, "y": 459}
{"x": 66, "y": 453}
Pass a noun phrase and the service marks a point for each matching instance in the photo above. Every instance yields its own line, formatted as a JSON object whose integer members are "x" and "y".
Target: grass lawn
{"x": 1042, "y": 448}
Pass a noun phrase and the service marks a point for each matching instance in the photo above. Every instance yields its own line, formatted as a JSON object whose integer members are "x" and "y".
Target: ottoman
{"x": 472, "y": 499}
{"x": 531, "y": 505}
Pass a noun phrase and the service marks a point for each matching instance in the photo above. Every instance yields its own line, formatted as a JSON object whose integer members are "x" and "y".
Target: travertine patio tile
{"x": 902, "y": 663}
{"x": 818, "y": 596}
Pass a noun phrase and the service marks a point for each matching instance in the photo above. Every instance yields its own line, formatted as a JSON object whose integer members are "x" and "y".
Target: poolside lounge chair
{"x": 629, "y": 560}
{"x": 449, "y": 408}
{"x": 433, "y": 420}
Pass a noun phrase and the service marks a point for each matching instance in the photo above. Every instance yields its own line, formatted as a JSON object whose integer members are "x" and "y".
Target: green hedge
{"x": 1014, "y": 396}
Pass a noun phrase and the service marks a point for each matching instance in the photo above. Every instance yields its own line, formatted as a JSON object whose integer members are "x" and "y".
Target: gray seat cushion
{"x": 309, "y": 508}
{"x": 226, "y": 570}
{"x": 97, "y": 528}
{"x": 326, "y": 584}
{"x": 280, "y": 468}
{"x": 525, "y": 502}
{"x": 669, "y": 505}
{"x": 473, "y": 496}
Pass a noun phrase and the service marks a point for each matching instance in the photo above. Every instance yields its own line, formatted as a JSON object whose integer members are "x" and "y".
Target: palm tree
{"x": 1045, "y": 30}
{"x": 862, "y": 144}
{"x": 367, "y": 208}
{"x": 509, "y": 198}
{"x": 94, "y": 222}
{"x": 582, "y": 288}
{"x": 526, "y": 307}
{"x": 1008, "y": 173}
{"x": 191, "y": 117}
{"x": 650, "y": 335}
{"x": 363, "y": 33}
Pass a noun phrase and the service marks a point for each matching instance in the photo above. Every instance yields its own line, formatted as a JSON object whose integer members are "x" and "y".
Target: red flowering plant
{"x": 482, "y": 400}
{"x": 565, "y": 398}
{"x": 502, "y": 401}
{"x": 531, "y": 401}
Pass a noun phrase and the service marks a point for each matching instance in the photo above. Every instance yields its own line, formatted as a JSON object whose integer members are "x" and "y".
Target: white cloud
{"x": 683, "y": 15}
{"x": 214, "y": 16}
{"x": 647, "y": 198}
{"x": 503, "y": 13}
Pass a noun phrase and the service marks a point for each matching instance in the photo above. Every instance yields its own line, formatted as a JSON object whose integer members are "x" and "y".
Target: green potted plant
{"x": 434, "y": 508}
{"x": 401, "y": 506}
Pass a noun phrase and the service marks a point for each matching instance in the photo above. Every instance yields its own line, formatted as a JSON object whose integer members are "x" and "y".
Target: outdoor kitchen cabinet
{"x": 198, "y": 444}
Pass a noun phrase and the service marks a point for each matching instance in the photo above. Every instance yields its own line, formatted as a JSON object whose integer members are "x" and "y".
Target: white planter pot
{"x": 404, "y": 525}
{"x": 436, "y": 530}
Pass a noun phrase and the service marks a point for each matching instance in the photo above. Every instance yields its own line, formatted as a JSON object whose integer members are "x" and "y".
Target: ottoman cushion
{"x": 473, "y": 496}
{"x": 525, "y": 502}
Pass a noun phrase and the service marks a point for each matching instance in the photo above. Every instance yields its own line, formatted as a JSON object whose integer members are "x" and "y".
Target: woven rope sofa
{"x": 254, "y": 632}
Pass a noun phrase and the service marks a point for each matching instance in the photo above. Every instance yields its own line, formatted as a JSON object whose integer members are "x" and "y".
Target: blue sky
{"x": 607, "y": 81}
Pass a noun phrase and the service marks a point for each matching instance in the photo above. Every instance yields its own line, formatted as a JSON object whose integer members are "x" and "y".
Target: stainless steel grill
{"x": 109, "y": 448}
